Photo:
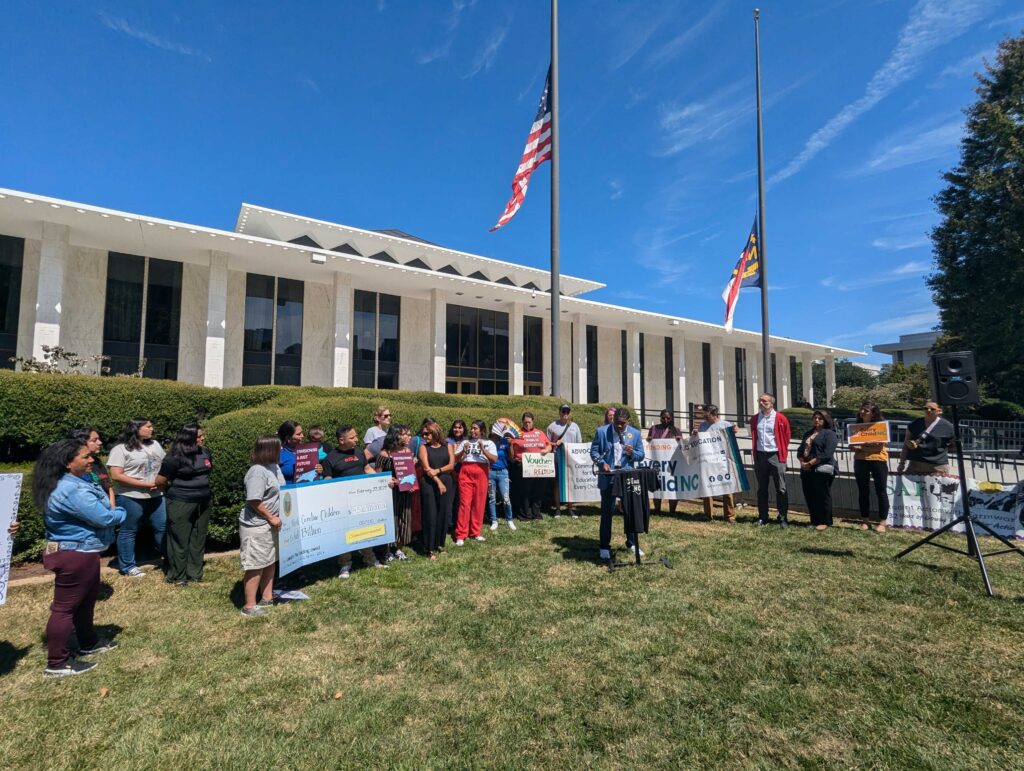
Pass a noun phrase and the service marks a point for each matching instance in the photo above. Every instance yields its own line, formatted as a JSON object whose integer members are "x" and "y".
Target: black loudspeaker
{"x": 953, "y": 378}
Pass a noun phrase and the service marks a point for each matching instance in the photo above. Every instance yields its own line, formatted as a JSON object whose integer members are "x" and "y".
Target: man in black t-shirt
{"x": 349, "y": 460}
{"x": 928, "y": 440}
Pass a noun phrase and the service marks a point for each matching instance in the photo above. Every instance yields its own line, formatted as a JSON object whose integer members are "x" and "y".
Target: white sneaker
{"x": 344, "y": 573}
{"x": 479, "y": 538}
{"x": 460, "y": 542}
{"x": 494, "y": 525}
{"x": 632, "y": 549}
{"x": 511, "y": 525}
{"x": 606, "y": 554}
{"x": 380, "y": 565}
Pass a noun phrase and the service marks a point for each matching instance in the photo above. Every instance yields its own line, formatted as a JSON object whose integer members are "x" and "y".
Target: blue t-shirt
{"x": 287, "y": 463}
{"x": 501, "y": 464}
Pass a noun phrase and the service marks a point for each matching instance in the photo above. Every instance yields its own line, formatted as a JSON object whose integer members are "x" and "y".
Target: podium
{"x": 633, "y": 487}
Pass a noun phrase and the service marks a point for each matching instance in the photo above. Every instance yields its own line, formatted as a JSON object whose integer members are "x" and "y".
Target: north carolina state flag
{"x": 746, "y": 273}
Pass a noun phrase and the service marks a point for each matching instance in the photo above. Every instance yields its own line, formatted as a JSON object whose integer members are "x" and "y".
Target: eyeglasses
{"x": 385, "y": 415}
{"x": 931, "y": 409}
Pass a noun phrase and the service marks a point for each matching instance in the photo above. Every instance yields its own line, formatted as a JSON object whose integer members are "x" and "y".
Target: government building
{"x": 291, "y": 300}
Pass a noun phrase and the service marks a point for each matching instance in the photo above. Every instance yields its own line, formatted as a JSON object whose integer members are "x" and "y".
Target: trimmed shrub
{"x": 999, "y": 410}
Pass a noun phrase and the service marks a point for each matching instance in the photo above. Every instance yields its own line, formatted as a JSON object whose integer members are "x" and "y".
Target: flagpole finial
{"x": 757, "y": 11}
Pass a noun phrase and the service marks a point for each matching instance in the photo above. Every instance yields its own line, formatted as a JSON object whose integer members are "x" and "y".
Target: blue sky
{"x": 412, "y": 115}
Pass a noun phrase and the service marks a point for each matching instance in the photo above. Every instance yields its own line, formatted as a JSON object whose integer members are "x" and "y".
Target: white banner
{"x": 10, "y": 495}
{"x": 536, "y": 465}
{"x": 333, "y": 516}
{"x": 577, "y": 479}
{"x": 700, "y": 466}
{"x": 929, "y": 502}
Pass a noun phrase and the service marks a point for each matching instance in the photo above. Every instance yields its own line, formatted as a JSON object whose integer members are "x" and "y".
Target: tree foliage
{"x": 847, "y": 375}
{"x": 979, "y": 245}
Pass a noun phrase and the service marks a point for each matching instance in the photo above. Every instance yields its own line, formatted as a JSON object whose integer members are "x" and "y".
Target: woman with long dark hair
{"x": 259, "y": 524}
{"x": 817, "y": 468}
{"x": 89, "y": 436}
{"x": 871, "y": 461}
{"x": 79, "y": 520}
{"x": 476, "y": 454}
{"x": 134, "y": 463}
{"x": 291, "y": 436}
{"x": 456, "y": 434}
{"x": 185, "y": 478}
{"x": 396, "y": 441}
{"x": 436, "y": 460}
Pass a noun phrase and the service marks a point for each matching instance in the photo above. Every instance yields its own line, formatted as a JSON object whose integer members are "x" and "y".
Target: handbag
{"x": 825, "y": 468}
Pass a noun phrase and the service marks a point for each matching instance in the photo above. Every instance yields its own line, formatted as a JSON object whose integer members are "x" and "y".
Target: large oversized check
{"x": 333, "y": 516}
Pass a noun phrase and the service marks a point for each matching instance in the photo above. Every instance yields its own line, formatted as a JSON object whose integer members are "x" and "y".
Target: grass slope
{"x": 761, "y": 648}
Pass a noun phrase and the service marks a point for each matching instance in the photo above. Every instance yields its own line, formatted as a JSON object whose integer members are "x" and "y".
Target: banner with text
{"x": 929, "y": 502}
{"x": 700, "y": 466}
{"x": 576, "y": 476}
{"x": 538, "y": 466}
{"x": 333, "y": 516}
{"x": 10, "y": 495}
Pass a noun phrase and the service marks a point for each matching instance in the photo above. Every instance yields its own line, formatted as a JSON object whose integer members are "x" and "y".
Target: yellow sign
{"x": 364, "y": 533}
{"x": 868, "y": 433}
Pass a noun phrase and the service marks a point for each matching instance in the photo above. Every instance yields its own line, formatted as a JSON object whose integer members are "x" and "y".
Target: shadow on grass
{"x": 9, "y": 656}
{"x": 578, "y": 548}
{"x": 827, "y": 552}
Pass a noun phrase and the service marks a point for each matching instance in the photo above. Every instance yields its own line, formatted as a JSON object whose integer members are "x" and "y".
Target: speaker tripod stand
{"x": 967, "y": 520}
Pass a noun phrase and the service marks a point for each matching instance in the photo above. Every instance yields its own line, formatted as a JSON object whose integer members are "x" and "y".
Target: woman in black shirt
{"x": 437, "y": 461}
{"x": 817, "y": 468}
{"x": 185, "y": 478}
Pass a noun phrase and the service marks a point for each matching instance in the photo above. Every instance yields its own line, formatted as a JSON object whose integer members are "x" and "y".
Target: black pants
{"x": 533, "y": 497}
{"x": 863, "y": 472}
{"x": 187, "y": 523}
{"x": 818, "y": 494}
{"x": 768, "y": 466}
{"x": 607, "y": 512}
{"x": 435, "y": 511}
{"x": 75, "y": 590}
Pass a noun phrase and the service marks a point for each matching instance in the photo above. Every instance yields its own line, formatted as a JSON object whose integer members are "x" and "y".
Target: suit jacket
{"x": 603, "y": 451}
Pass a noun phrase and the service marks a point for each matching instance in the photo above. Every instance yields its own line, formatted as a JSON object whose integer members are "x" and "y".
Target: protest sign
{"x": 405, "y": 470}
{"x": 700, "y": 466}
{"x": 576, "y": 474}
{"x": 307, "y": 456}
{"x": 332, "y": 516}
{"x": 536, "y": 465}
{"x": 867, "y": 433}
{"x": 929, "y": 502}
{"x": 10, "y": 495}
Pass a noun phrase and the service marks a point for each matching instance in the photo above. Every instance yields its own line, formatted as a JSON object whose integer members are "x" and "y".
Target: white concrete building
{"x": 911, "y": 349}
{"x": 293, "y": 300}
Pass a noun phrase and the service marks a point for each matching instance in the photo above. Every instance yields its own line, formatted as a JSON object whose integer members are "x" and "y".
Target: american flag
{"x": 538, "y": 150}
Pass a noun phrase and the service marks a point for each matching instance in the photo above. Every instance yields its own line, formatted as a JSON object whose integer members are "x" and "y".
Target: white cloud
{"x": 920, "y": 321}
{"x": 440, "y": 51}
{"x": 488, "y": 54}
{"x": 1015, "y": 18}
{"x": 932, "y": 24}
{"x": 633, "y": 31}
{"x": 968, "y": 65}
{"x": 119, "y": 24}
{"x": 904, "y": 272}
{"x": 899, "y": 243}
{"x": 636, "y": 96}
{"x": 914, "y": 146}
{"x": 311, "y": 84}
{"x": 616, "y": 190}
{"x": 688, "y": 124}
{"x": 458, "y": 6}
{"x": 674, "y": 47}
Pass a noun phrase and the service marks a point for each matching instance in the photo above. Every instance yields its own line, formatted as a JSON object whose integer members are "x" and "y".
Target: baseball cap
{"x": 565, "y": 408}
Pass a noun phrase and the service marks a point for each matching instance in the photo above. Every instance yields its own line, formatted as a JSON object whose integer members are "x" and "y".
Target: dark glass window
{"x": 477, "y": 351}
{"x": 375, "y": 330}
{"x": 259, "y": 330}
{"x": 741, "y": 381}
{"x": 122, "y": 314}
{"x": 705, "y": 366}
{"x": 12, "y": 256}
{"x": 533, "y": 355}
{"x": 795, "y": 387}
{"x": 592, "y": 360}
{"x": 288, "y": 349}
{"x": 163, "y": 319}
{"x": 627, "y": 367}
{"x": 670, "y": 376}
{"x": 643, "y": 380}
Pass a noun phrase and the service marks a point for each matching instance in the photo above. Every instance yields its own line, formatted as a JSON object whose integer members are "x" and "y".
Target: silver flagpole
{"x": 766, "y": 357}
{"x": 555, "y": 281}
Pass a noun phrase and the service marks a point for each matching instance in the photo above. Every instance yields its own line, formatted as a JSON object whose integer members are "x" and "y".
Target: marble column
{"x": 438, "y": 326}
{"x": 679, "y": 355}
{"x": 782, "y": 373}
{"x": 579, "y": 348}
{"x": 807, "y": 372}
{"x": 633, "y": 373}
{"x": 515, "y": 348}
{"x": 53, "y": 260}
{"x": 754, "y": 379}
{"x": 830, "y": 378}
{"x": 341, "y": 371}
{"x": 216, "y": 320}
{"x": 718, "y": 372}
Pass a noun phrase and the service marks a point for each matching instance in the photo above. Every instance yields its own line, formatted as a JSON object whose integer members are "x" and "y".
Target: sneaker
{"x": 100, "y": 647}
{"x": 460, "y": 542}
{"x": 511, "y": 525}
{"x": 381, "y": 565}
{"x": 345, "y": 573}
{"x": 575, "y": 515}
{"x": 255, "y": 610}
{"x": 494, "y": 525}
{"x": 479, "y": 538}
{"x": 72, "y": 667}
{"x": 399, "y": 554}
{"x": 760, "y": 523}
{"x": 632, "y": 549}
{"x": 390, "y": 557}
{"x": 265, "y": 604}
{"x": 133, "y": 572}
{"x": 606, "y": 554}
{"x": 556, "y": 515}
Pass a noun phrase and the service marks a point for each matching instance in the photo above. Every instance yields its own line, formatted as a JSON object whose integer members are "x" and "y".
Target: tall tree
{"x": 979, "y": 246}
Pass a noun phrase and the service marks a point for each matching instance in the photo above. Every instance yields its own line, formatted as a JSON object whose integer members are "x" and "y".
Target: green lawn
{"x": 761, "y": 648}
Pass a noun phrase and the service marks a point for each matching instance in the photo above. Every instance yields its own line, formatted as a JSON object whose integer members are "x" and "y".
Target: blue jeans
{"x": 497, "y": 482}
{"x": 136, "y": 509}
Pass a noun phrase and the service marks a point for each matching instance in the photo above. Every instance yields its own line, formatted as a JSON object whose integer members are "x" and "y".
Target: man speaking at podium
{"x": 616, "y": 446}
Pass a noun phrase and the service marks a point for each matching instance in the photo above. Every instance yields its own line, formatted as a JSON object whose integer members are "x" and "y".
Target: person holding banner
{"x": 665, "y": 429}
{"x": 79, "y": 523}
{"x": 476, "y": 454}
{"x": 818, "y": 469}
{"x": 291, "y": 435}
{"x": 259, "y": 524}
{"x": 532, "y": 440}
{"x": 713, "y": 421}
{"x": 396, "y": 458}
{"x": 769, "y": 435}
{"x": 437, "y": 461}
{"x": 925, "y": 451}
{"x": 615, "y": 446}
{"x": 871, "y": 462}
{"x": 563, "y": 431}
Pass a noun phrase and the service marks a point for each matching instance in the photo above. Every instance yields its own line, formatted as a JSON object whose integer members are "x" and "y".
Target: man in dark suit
{"x": 616, "y": 446}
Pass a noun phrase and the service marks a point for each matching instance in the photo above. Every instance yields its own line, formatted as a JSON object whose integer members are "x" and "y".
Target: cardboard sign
{"x": 405, "y": 470}
{"x": 868, "y": 433}
{"x": 10, "y": 494}
{"x": 537, "y": 466}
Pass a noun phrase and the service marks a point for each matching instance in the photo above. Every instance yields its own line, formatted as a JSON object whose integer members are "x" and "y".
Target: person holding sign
{"x": 925, "y": 451}
{"x": 817, "y": 468}
{"x": 259, "y": 525}
{"x": 560, "y": 432}
{"x": 665, "y": 429}
{"x": 871, "y": 462}
{"x": 498, "y": 481}
{"x": 713, "y": 421}
{"x": 476, "y": 455}
{"x": 615, "y": 446}
{"x": 437, "y": 461}
{"x": 532, "y": 440}
{"x": 79, "y": 523}
{"x": 291, "y": 435}
{"x": 396, "y": 458}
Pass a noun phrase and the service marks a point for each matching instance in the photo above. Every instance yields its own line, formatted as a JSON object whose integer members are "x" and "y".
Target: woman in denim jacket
{"x": 80, "y": 525}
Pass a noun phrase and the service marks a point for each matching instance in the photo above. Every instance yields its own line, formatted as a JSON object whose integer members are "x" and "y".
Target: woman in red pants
{"x": 476, "y": 455}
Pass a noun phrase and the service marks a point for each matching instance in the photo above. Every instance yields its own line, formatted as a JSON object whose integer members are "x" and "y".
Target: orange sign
{"x": 868, "y": 433}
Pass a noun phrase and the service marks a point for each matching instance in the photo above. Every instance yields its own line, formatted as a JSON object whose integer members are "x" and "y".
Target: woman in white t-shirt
{"x": 134, "y": 463}
{"x": 476, "y": 455}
